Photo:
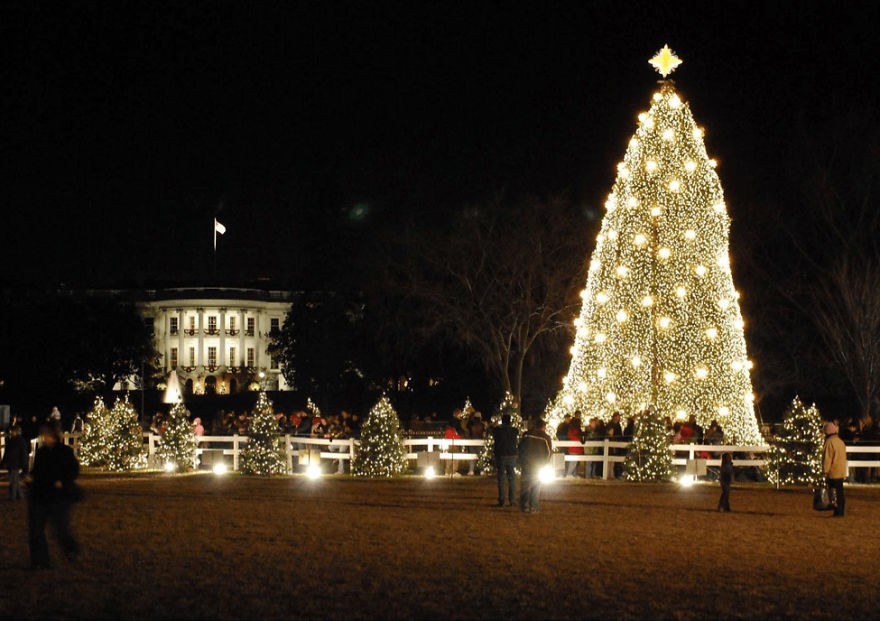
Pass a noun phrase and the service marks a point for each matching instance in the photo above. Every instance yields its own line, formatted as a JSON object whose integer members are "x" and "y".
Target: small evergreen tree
{"x": 113, "y": 439}
{"x": 648, "y": 457}
{"x": 381, "y": 453}
{"x": 796, "y": 455}
{"x": 178, "y": 442}
{"x": 263, "y": 454}
{"x": 486, "y": 460}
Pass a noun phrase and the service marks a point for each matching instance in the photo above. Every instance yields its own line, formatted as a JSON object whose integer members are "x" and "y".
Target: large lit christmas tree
{"x": 177, "y": 446}
{"x": 380, "y": 453}
{"x": 263, "y": 454}
{"x": 796, "y": 454}
{"x": 660, "y": 322}
{"x": 113, "y": 438}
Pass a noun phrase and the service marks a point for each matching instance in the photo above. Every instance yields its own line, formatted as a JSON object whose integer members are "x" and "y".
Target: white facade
{"x": 216, "y": 338}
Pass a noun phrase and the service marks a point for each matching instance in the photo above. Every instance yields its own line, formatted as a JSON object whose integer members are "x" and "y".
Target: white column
{"x": 221, "y": 354}
{"x": 200, "y": 354}
{"x": 180, "y": 353}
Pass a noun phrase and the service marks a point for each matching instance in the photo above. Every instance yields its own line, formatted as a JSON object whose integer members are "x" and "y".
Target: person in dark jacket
{"x": 726, "y": 477}
{"x": 15, "y": 460}
{"x": 51, "y": 493}
{"x": 535, "y": 449}
{"x": 505, "y": 437}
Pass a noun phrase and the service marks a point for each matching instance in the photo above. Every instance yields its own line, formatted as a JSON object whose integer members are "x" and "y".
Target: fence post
{"x": 605, "y": 469}
{"x": 430, "y": 444}
{"x": 288, "y": 453}
{"x": 235, "y": 452}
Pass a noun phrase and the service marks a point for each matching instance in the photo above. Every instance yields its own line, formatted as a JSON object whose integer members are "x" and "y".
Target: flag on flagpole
{"x": 218, "y": 228}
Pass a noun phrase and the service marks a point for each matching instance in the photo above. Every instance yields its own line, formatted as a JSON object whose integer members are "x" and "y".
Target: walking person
{"x": 51, "y": 493}
{"x": 505, "y": 437}
{"x": 834, "y": 467}
{"x": 726, "y": 478}
{"x": 15, "y": 460}
{"x": 535, "y": 449}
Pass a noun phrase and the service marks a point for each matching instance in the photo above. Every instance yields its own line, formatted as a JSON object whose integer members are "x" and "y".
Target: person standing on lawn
{"x": 15, "y": 460}
{"x": 834, "y": 467}
{"x": 535, "y": 449}
{"x": 505, "y": 437}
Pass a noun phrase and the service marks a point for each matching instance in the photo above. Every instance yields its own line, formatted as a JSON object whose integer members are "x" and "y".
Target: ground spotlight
{"x": 686, "y": 480}
{"x": 170, "y": 466}
{"x": 430, "y": 473}
{"x": 219, "y": 468}
{"x": 546, "y": 474}
{"x": 313, "y": 471}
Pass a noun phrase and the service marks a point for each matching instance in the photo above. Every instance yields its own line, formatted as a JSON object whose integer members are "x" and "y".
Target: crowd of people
{"x": 300, "y": 423}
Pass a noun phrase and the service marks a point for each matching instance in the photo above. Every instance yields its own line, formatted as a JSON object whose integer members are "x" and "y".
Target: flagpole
{"x": 215, "y": 250}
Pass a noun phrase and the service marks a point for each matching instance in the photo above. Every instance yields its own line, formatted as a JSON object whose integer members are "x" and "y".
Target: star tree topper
{"x": 665, "y": 61}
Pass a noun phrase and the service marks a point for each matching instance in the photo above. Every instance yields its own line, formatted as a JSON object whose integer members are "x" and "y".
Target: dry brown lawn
{"x": 200, "y": 546}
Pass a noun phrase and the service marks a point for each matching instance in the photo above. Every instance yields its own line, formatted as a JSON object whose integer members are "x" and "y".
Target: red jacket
{"x": 452, "y": 434}
{"x": 575, "y": 434}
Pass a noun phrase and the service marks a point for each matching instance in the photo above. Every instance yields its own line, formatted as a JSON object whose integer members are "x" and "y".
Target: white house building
{"x": 216, "y": 338}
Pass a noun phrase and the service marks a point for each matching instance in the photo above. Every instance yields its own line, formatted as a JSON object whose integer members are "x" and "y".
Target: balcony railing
{"x": 212, "y": 331}
{"x": 233, "y": 332}
{"x": 190, "y": 331}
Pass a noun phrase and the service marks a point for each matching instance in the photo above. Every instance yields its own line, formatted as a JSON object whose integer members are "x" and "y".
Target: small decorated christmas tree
{"x": 263, "y": 454}
{"x": 113, "y": 439}
{"x": 486, "y": 460}
{"x": 796, "y": 456}
{"x": 381, "y": 453}
{"x": 178, "y": 445}
{"x": 648, "y": 457}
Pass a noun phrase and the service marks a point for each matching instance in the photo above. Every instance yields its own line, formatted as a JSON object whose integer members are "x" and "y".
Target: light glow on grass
{"x": 430, "y": 473}
{"x": 219, "y": 468}
{"x": 686, "y": 480}
{"x": 546, "y": 474}
{"x": 170, "y": 466}
{"x": 313, "y": 471}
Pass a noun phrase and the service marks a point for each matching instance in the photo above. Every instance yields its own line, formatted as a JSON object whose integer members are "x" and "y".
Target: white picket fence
{"x": 306, "y": 450}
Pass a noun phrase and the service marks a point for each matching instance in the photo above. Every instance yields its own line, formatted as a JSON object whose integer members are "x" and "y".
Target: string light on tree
{"x": 663, "y": 262}
{"x": 263, "y": 455}
{"x": 381, "y": 453}
{"x": 796, "y": 454}
{"x": 112, "y": 438}
{"x": 177, "y": 445}
{"x": 648, "y": 457}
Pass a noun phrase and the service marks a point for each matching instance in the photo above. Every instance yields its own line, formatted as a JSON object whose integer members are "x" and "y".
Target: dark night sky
{"x": 128, "y": 126}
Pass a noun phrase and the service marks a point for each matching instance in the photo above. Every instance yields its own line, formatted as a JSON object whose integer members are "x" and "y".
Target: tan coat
{"x": 834, "y": 464}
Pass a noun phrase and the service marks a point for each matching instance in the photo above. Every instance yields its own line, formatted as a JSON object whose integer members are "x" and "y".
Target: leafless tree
{"x": 826, "y": 267}
{"x": 500, "y": 282}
